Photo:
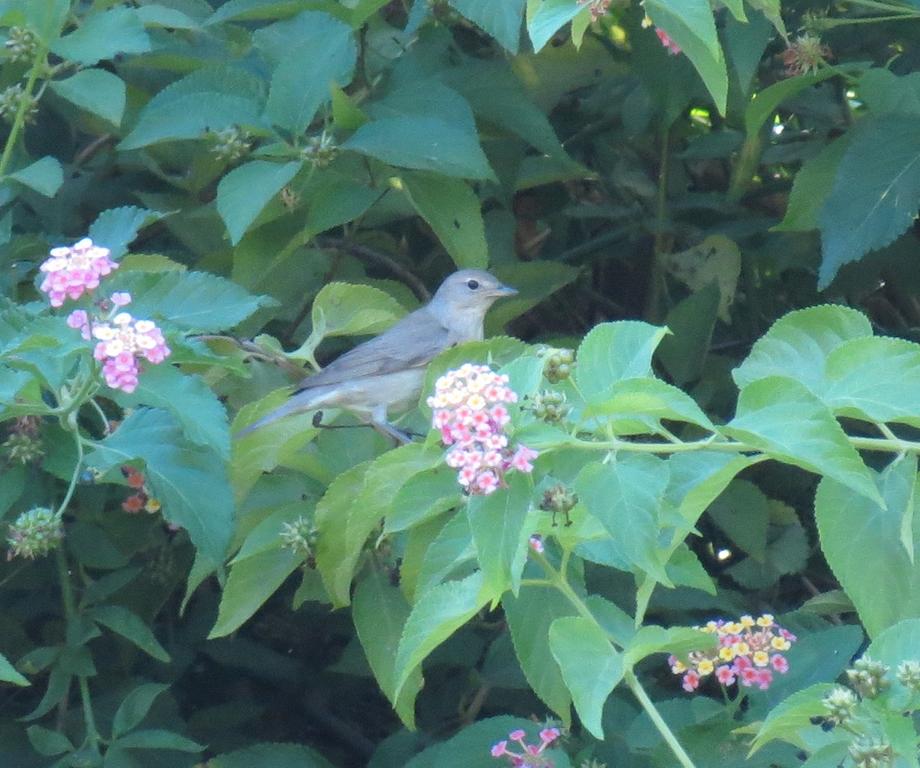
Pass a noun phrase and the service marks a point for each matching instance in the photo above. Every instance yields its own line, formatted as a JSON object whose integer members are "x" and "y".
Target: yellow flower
{"x": 765, "y": 621}
{"x": 677, "y": 667}
{"x": 710, "y": 627}
{"x": 761, "y": 658}
{"x": 705, "y": 667}
{"x": 476, "y": 402}
{"x": 780, "y": 643}
{"x": 727, "y": 653}
{"x": 742, "y": 649}
{"x": 732, "y": 628}
{"x": 746, "y": 621}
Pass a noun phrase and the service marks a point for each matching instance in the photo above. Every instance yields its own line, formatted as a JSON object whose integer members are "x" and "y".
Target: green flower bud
{"x": 871, "y": 753}
{"x": 11, "y": 98}
{"x": 300, "y": 537}
{"x": 34, "y": 534}
{"x": 22, "y": 45}
{"x": 22, "y": 449}
{"x": 909, "y": 675}
{"x": 320, "y": 150}
{"x": 841, "y": 704}
{"x": 230, "y": 144}
{"x": 867, "y": 677}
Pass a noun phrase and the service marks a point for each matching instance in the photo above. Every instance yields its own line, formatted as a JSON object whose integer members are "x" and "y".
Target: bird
{"x": 387, "y": 372}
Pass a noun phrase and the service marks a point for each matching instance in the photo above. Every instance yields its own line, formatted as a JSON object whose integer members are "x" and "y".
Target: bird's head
{"x": 470, "y": 291}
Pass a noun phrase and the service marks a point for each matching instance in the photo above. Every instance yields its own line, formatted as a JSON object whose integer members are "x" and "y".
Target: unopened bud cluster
{"x": 12, "y": 98}
{"x": 24, "y": 445}
{"x": 871, "y": 753}
{"x": 21, "y": 45}
{"x": 559, "y": 500}
{"x": 868, "y": 677}
{"x": 34, "y": 534}
{"x": 470, "y": 412}
{"x": 841, "y": 705}
{"x": 749, "y": 651}
{"x": 530, "y": 755}
{"x": 908, "y": 675}
{"x": 550, "y": 406}
{"x": 320, "y": 150}
{"x": 300, "y": 537}
{"x": 805, "y": 55}
{"x": 558, "y": 363}
{"x": 230, "y": 144}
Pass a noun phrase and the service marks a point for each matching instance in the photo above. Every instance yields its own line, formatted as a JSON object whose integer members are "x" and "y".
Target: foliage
{"x": 263, "y": 181}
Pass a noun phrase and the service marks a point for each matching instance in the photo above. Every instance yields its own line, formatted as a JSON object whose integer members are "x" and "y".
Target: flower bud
{"x": 34, "y": 534}
{"x": 871, "y": 753}
{"x": 559, "y": 499}
{"x": 320, "y": 150}
{"x": 230, "y": 144}
{"x": 558, "y": 365}
{"x": 22, "y": 45}
{"x": 22, "y": 449}
{"x": 300, "y": 537}
{"x": 11, "y": 98}
{"x": 909, "y": 675}
{"x": 867, "y": 677}
{"x": 841, "y": 704}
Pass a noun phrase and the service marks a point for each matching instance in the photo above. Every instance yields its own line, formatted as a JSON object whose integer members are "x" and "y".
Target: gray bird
{"x": 388, "y": 371}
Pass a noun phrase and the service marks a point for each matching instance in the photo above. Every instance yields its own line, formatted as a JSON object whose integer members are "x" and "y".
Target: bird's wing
{"x": 413, "y": 341}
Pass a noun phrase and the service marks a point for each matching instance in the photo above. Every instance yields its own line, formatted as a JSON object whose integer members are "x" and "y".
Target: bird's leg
{"x": 381, "y": 425}
{"x": 318, "y": 423}
{"x": 378, "y": 420}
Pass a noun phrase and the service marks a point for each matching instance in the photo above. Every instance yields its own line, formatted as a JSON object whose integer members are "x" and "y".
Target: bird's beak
{"x": 505, "y": 290}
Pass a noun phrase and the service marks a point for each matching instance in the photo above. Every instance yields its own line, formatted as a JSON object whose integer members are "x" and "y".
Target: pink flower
{"x": 764, "y": 678}
{"x": 487, "y": 482}
{"x": 522, "y": 458}
{"x": 121, "y": 298}
{"x": 725, "y": 675}
{"x": 79, "y": 319}
{"x": 500, "y": 748}
{"x": 779, "y": 663}
{"x": 536, "y": 544}
{"x": 517, "y": 735}
{"x": 72, "y": 271}
{"x": 691, "y": 681}
{"x": 667, "y": 42}
{"x": 549, "y": 735}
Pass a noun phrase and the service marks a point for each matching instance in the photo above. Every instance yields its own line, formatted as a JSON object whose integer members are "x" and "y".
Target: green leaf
{"x": 798, "y": 344}
{"x": 157, "y": 739}
{"x": 679, "y": 641}
{"x": 422, "y": 498}
{"x": 743, "y": 514}
{"x": 625, "y": 496}
{"x": 103, "y": 36}
{"x": 692, "y": 321}
{"x": 787, "y": 422}
{"x": 546, "y": 17}
{"x": 346, "y": 114}
{"x": 116, "y": 228}
{"x": 590, "y": 666}
{"x": 191, "y": 483}
{"x": 875, "y": 195}
{"x": 8, "y": 673}
{"x": 424, "y": 144}
{"x": 766, "y": 102}
{"x": 251, "y": 582}
{"x": 310, "y": 36}
{"x": 855, "y": 531}
{"x": 134, "y": 707}
{"x": 691, "y": 25}
{"x": 529, "y": 616}
{"x": 895, "y": 644}
{"x": 437, "y": 614}
{"x": 344, "y": 309}
{"x": 497, "y": 522}
{"x": 209, "y": 99}
{"x": 244, "y": 192}
{"x": 193, "y": 404}
{"x": 615, "y": 351}
{"x": 270, "y": 755}
{"x": 379, "y": 611}
{"x": 647, "y": 397}
{"x": 786, "y": 720}
{"x": 500, "y": 20}
{"x": 122, "y": 622}
{"x": 45, "y": 176}
{"x": 452, "y": 209}
{"x": 95, "y": 90}
{"x": 193, "y": 301}
{"x": 812, "y": 185}
{"x": 156, "y": 15}
{"x": 450, "y": 549}
{"x": 48, "y": 743}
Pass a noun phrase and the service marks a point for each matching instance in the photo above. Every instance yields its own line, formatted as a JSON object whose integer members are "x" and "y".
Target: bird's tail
{"x": 302, "y": 401}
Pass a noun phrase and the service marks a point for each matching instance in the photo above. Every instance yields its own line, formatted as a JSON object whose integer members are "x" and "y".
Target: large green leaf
{"x": 855, "y": 531}
{"x": 590, "y": 666}
{"x": 191, "y": 483}
{"x": 103, "y": 35}
{"x": 209, "y": 99}
{"x": 95, "y": 90}
{"x": 546, "y": 17}
{"x": 812, "y": 185}
{"x": 270, "y": 755}
{"x": 625, "y": 496}
{"x": 765, "y": 103}
{"x": 452, "y": 548}
{"x": 787, "y": 422}
{"x": 452, "y": 209}
{"x": 130, "y": 626}
{"x": 500, "y": 20}
{"x": 45, "y": 176}
{"x": 792, "y": 716}
{"x": 876, "y": 192}
{"x": 894, "y": 645}
{"x": 691, "y": 25}
{"x": 615, "y": 351}
{"x": 423, "y": 143}
{"x": 8, "y": 673}
{"x": 330, "y": 47}
{"x": 379, "y": 611}
{"x": 647, "y": 397}
{"x": 134, "y": 707}
{"x": 497, "y": 523}
{"x": 437, "y": 614}
{"x": 116, "y": 228}
{"x": 246, "y": 190}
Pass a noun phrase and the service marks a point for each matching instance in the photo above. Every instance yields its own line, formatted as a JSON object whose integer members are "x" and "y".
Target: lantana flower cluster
{"x": 470, "y": 410}
{"x": 34, "y": 534}
{"x": 531, "y": 755}
{"x": 749, "y": 652}
{"x": 142, "y": 499}
{"x": 74, "y": 270}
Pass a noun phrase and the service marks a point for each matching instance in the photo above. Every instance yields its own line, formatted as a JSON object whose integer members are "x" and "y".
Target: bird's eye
{"x": 472, "y": 284}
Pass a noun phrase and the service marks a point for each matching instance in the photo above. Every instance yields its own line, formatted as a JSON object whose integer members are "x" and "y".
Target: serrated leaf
{"x": 323, "y": 40}
{"x": 380, "y": 611}
{"x": 855, "y": 531}
{"x": 452, "y": 548}
{"x": 190, "y": 483}
{"x": 436, "y": 615}
{"x": 651, "y": 639}
{"x": 95, "y": 90}
{"x": 423, "y": 497}
{"x": 244, "y": 192}
{"x": 271, "y": 755}
{"x": 134, "y": 707}
{"x": 812, "y": 185}
{"x": 875, "y": 195}
{"x": 156, "y": 15}
{"x": 157, "y": 739}
{"x": 209, "y": 99}
{"x": 590, "y": 666}
{"x": 647, "y": 397}
{"x": 116, "y": 228}
{"x": 798, "y": 344}
{"x": 452, "y": 209}
{"x": 497, "y": 522}
{"x": 786, "y": 720}
{"x": 625, "y": 496}
{"x": 546, "y": 17}
{"x": 743, "y": 514}
{"x": 765, "y": 102}
{"x": 785, "y": 420}
{"x": 615, "y": 351}
{"x": 45, "y": 176}
{"x": 103, "y": 36}
{"x": 122, "y": 622}
{"x": 424, "y": 144}
{"x": 499, "y": 20}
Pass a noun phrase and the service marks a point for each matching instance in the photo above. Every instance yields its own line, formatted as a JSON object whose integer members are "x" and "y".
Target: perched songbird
{"x": 387, "y": 371}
